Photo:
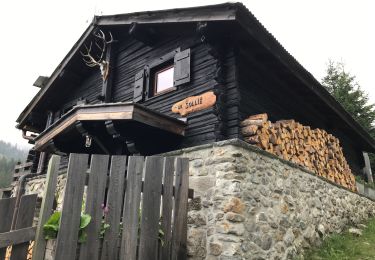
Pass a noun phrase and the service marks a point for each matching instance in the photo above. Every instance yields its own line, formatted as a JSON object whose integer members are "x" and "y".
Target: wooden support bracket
{"x": 130, "y": 144}
{"x": 84, "y": 132}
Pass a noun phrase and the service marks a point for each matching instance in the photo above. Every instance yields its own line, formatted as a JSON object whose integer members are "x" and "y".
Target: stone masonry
{"x": 36, "y": 186}
{"x": 250, "y": 204}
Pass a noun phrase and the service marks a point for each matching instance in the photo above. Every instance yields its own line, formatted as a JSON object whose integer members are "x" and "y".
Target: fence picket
{"x": 46, "y": 207}
{"x": 94, "y": 200}
{"x": 168, "y": 175}
{"x": 179, "y": 235}
{"x": 25, "y": 219}
{"x": 129, "y": 239}
{"x": 148, "y": 244}
{"x": 67, "y": 238}
{"x": 114, "y": 204}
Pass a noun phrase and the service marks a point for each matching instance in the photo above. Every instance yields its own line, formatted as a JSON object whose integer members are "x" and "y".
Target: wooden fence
{"x": 143, "y": 200}
{"x": 16, "y": 239}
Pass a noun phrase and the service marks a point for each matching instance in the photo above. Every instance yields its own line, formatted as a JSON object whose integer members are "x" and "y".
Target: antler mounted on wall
{"x": 98, "y": 59}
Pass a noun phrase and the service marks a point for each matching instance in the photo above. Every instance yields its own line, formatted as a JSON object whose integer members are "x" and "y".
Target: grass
{"x": 346, "y": 246}
{"x": 365, "y": 183}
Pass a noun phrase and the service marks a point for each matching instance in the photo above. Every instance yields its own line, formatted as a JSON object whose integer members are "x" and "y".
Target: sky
{"x": 36, "y": 35}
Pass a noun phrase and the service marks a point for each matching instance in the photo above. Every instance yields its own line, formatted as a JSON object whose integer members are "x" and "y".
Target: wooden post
{"x": 107, "y": 83}
{"x": 44, "y": 155}
{"x": 46, "y": 208}
{"x": 179, "y": 234}
{"x": 367, "y": 168}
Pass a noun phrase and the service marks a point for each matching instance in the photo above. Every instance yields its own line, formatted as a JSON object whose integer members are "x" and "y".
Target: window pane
{"x": 164, "y": 79}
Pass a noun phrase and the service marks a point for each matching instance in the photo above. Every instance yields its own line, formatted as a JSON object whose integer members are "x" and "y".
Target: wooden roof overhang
{"x": 125, "y": 121}
{"x": 234, "y": 13}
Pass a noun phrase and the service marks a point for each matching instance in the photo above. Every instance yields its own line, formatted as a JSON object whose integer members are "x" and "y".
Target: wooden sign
{"x": 195, "y": 103}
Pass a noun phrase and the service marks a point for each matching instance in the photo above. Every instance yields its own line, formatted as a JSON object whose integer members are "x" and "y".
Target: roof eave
{"x": 250, "y": 24}
{"x": 219, "y": 12}
{"x": 55, "y": 74}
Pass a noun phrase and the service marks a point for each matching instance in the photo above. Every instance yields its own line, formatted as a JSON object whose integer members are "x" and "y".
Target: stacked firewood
{"x": 314, "y": 149}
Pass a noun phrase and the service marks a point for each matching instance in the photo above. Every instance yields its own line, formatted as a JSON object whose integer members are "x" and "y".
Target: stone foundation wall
{"x": 250, "y": 204}
{"x": 36, "y": 185}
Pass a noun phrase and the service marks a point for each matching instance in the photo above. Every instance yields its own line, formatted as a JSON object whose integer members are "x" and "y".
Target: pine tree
{"x": 344, "y": 88}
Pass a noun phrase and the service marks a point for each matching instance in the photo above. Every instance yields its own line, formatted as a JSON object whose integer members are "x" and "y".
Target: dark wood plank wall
{"x": 132, "y": 56}
{"x": 352, "y": 154}
{"x": 232, "y": 97}
{"x": 262, "y": 91}
{"x": 88, "y": 89}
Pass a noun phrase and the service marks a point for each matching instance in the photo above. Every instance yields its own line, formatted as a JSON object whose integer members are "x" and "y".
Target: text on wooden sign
{"x": 194, "y": 103}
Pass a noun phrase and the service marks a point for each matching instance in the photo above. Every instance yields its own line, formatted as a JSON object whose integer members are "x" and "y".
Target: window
{"x": 162, "y": 75}
{"x": 162, "y": 79}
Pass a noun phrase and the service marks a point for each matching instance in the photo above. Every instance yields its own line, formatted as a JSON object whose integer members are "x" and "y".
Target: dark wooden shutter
{"x": 139, "y": 84}
{"x": 182, "y": 67}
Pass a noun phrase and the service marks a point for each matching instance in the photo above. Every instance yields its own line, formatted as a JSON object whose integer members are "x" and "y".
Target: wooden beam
{"x": 43, "y": 155}
{"x": 6, "y": 212}
{"x": 25, "y": 218}
{"x": 85, "y": 133}
{"x": 106, "y": 95}
{"x": 130, "y": 144}
{"x": 113, "y": 111}
{"x": 190, "y": 191}
{"x": 219, "y": 12}
{"x": 23, "y": 165}
{"x": 17, "y": 236}
{"x": 144, "y": 34}
{"x": 85, "y": 113}
{"x": 41, "y": 81}
{"x": 367, "y": 168}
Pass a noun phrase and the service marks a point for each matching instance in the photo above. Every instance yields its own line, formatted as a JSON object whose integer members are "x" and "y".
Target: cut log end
{"x": 314, "y": 149}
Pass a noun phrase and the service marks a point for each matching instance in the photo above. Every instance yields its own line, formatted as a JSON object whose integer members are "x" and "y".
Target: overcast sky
{"x": 36, "y": 35}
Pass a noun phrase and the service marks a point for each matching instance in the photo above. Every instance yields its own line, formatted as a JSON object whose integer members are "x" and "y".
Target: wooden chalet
{"x": 151, "y": 82}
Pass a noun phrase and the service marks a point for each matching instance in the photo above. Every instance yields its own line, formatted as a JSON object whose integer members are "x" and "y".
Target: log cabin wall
{"x": 130, "y": 57}
{"x": 88, "y": 89}
{"x": 352, "y": 153}
{"x": 231, "y": 113}
{"x": 262, "y": 90}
